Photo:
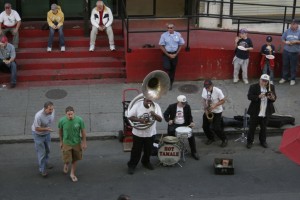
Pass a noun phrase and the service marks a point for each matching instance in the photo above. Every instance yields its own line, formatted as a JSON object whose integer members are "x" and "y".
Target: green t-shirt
{"x": 71, "y": 130}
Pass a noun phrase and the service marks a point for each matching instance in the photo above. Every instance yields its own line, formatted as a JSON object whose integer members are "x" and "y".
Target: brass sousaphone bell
{"x": 155, "y": 84}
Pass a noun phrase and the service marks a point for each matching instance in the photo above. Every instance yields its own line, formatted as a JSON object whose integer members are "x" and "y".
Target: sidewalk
{"x": 100, "y": 105}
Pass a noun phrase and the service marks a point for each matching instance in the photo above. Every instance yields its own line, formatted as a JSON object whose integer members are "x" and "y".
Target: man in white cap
{"x": 262, "y": 96}
{"x": 179, "y": 114}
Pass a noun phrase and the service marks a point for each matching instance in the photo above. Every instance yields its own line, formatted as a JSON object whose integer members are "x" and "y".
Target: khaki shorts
{"x": 71, "y": 153}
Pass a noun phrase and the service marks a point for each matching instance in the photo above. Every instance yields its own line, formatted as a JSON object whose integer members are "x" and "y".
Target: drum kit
{"x": 173, "y": 149}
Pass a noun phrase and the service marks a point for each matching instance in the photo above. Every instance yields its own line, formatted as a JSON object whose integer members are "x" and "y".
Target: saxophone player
{"x": 262, "y": 96}
{"x": 213, "y": 99}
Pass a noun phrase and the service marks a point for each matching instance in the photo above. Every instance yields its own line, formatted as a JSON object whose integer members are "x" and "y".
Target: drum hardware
{"x": 243, "y": 138}
{"x": 182, "y": 133}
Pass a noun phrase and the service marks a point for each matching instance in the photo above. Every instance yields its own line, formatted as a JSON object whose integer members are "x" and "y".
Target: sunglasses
{"x": 7, "y": 8}
{"x": 170, "y": 27}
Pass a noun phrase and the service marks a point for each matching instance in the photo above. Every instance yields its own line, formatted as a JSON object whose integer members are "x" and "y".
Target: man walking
{"x": 170, "y": 43}
{"x": 72, "y": 136}
{"x": 41, "y": 129}
{"x": 291, "y": 40}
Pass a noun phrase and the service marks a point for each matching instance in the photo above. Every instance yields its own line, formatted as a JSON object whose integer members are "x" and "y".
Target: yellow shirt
{"x": 58, "y": 17}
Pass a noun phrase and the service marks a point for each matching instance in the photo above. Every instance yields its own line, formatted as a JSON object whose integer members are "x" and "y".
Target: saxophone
{"x": 208, "y": 113}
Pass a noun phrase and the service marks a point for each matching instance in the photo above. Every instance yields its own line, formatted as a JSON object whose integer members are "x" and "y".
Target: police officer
{"x": 170, "y": 43}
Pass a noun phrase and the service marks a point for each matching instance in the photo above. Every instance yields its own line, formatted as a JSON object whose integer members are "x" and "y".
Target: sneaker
{"x": 235, "y": 80}
{"x": 271, "y": 82}
{"x": 224, "y": 143}
{"x": 63, "y": 48}
{"x": 246, "y": 81}
{"x": 249, "y": 145}
{"x": 130, "y": 170}
{"x": 112, "y": 47}
{"x": 195, "y": 156}
{"x": 264, "y": 144}
{"x": 282, "y": 81}
{"x": 49, "y": 49}
{"x": 293, "y": 82}
{"x": 92, "y": 48}
{"x": 49, "y": 166}
{"x": 44, "y": 174}
{"x": 148, "y": 166}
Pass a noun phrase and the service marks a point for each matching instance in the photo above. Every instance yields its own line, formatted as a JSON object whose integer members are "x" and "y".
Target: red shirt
{"x": 101, "y": 15}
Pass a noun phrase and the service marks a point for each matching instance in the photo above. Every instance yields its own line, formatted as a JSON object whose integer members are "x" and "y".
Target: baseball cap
{"x": 265, "y": 77}
{"x": 181, "y": 98}
{"x": 4, "y": 39}
{"x": 207, "y": 83}
{"x": 243, "y": 30}
{"x": 295, "y": 21}
{"x": 53, "y": 6}
{"x": 269, "y": 39}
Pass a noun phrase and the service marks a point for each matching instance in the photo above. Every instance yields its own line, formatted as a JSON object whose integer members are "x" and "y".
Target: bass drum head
{"x": 169, "y": 154}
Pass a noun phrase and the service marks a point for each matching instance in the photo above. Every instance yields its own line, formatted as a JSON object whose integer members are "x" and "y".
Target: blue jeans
{"x": 42, "y": 147}
{"x": 12, "y": 67}
{"x": 61, "y": 36}
{"x": 290, "y": 63}
{"x": 267, "y": 69}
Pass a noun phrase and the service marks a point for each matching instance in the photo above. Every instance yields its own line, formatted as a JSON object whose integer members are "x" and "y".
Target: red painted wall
{"x": 196, "y": 64}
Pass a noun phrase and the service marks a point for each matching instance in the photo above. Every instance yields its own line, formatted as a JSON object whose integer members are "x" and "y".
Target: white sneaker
{"x": 92, "y": 48}
{"x": 235, "y": 80}
{"x": 246, "y": 81}
{"x": 63, "y": 48}
{"x": 112, "y": 47}
{"x": 271, "y": 82}
{"x": 293, "y": 82}
{"x": 49, "y": 49}
{"x": 282, "y": 81}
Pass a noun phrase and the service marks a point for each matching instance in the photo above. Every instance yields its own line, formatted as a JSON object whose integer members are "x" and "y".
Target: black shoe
{"x": 49, "y": 166}
{"x": 130, "y": 170}
{"x": 195, "y": 156}
{"x": 249, "y": 145}
{"x": 209, "y": 141}
{"x": 148, "y": 166}
{"x": 13, "y": 85}
{"x": 264, "y": 144}
{"x": 224, "y": 143}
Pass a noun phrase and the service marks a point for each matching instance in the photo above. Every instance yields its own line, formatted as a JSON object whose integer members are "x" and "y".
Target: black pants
{"x": 170, "y": 66}
{"x": 192, "y": 142}
{"x": 140, "y": 144}
{"x": 214, "y": 127}
{"x": 254, "y": 121}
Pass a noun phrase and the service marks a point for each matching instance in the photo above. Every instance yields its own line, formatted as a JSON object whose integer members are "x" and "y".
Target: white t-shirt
{"x": 215, "y": 97}
{"x": 139, "y": 111}
{"x": 263, "y": 103}
{"x": 10, "y": 20}
{"x": 42, "y": 120}
{"x": 179, "y": 118}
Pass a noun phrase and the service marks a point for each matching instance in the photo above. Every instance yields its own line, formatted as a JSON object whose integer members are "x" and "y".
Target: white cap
{"x": 265, "y": 77}
{"x": 181, "y": 98}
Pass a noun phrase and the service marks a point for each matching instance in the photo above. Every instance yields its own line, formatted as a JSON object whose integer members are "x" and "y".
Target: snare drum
{"x": 169, "y": 154}
{"x": 183, "y": 132}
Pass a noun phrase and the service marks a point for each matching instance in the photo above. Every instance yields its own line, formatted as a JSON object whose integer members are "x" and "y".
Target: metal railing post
{"x": 284, "y": 18}
{"x": 238, "y": 28}
{"x": 188, "y": 35}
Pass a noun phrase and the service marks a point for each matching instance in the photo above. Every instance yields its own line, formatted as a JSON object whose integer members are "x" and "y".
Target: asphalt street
{"x": 259, "y": 174}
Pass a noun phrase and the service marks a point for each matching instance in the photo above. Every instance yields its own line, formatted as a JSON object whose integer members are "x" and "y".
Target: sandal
{"x": 73, "y": 178}
{"x": 66, "y": 169}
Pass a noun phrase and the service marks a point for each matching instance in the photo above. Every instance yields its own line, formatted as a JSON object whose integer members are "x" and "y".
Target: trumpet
{"x": 270, "y": 95}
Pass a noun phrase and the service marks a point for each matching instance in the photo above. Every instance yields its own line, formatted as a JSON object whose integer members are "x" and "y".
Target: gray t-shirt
{"x": 290, "y": 35}
{"x": 42, "y": 120}
{"x": 7, "y": 52}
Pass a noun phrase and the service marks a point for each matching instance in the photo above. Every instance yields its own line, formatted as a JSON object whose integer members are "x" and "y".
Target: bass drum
{"x": 169, "y": 154}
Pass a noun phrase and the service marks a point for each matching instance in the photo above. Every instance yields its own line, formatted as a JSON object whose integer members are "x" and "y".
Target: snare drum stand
{"x": 183, "y": 146}
{"x": 243, "y": 138}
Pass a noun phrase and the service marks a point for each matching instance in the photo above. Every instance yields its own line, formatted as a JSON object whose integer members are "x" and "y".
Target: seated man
{"x": 55, "y": 19}
{"x": 7, "y": 60}
{"x": 179, "y": 114}
{"x": 10, "y": 21}
{"x": 101, "y": 19}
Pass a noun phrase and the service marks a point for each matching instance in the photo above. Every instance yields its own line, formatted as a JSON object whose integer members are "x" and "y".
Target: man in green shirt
{"x": 72, "y": 136}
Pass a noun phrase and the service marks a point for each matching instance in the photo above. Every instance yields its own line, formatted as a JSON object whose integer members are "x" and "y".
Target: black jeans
{"x": 192, "y": 142}
{"x": 214, "y": 127}
{"x": 140, "y": 144}
{"x": 254, "y": 121}
{"x": 170, "y": 66}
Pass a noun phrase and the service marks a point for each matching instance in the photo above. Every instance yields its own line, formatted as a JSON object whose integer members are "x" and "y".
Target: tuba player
{"x": 143, "y": 112}
{"x": 213, "y": 99}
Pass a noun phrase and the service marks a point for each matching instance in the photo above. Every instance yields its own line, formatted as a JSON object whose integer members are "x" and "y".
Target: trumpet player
{"x": 262, "y": 96}
{"x": 213, "y": 99}
{"x": 143, "y": 112}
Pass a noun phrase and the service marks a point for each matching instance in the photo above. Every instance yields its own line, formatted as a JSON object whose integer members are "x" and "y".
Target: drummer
{"x": 177, "y": 115}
